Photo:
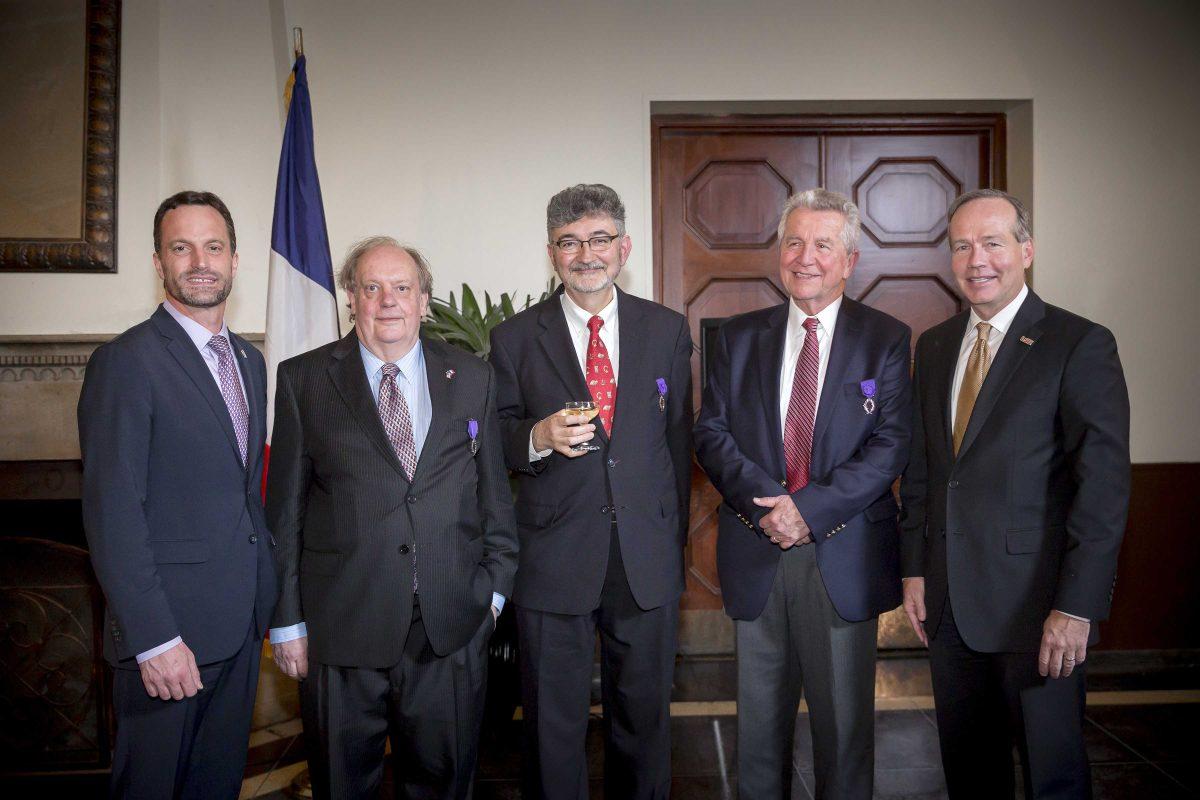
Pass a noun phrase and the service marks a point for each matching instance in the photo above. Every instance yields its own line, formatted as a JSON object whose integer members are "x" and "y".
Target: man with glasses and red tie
{"x": 812, "y": 397}
{"x": 171, "y": 428}
{"x": 602, "y": 530}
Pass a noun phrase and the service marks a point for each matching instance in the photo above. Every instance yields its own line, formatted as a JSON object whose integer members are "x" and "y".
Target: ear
{"x": 233, "y": 265}
{"x": 1027, "y": 253}
{"x": 851, "y": 262}
{"x": 625, "y": 248}
{"x": 158, "y": 267}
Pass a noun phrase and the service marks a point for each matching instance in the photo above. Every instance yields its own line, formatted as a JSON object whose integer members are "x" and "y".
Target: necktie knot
{"x": 984, "y": 329}
{"x": 810, "y": 324}
{"x": 390, "y": 371}
{"x": 595, "y": 324}
{"x": 219, "y": 345}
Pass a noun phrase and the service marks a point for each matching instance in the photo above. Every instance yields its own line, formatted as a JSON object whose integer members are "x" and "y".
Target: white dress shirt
{"x": 794, "y": 342}
{"x": 200, "y": 337}
{"x": 577, "y": 326}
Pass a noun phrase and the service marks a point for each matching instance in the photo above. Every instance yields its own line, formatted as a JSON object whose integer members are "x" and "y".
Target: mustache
{"x": 586, "y": 265}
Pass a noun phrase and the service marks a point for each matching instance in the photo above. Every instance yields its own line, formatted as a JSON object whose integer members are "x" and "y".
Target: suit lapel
{"x": 1008, "y": 358}
{"x": 349, "y": 377}
{"x": 941, "y": 377}
{"x": 631, "y": 360}
{"x": 183, "y": 350}
{"x": 770, "y": 363}
{"x": 439, "y": 398}
{"x": 560, "y": 352}
{"x": 846, "y": 335}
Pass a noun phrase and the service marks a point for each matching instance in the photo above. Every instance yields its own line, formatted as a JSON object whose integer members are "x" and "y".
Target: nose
{"x": 387, "y": 299}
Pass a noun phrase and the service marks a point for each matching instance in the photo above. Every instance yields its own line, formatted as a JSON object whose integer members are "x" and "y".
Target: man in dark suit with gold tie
{"x": 1014, "y": 507}
{"x": 397, "y": 546}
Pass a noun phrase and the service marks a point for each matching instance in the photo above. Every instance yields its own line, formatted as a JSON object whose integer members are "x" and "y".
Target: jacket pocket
{"x": 319, "y": 562}
{"x": 179, "y": 551}
{"x": 1024, "y": 540}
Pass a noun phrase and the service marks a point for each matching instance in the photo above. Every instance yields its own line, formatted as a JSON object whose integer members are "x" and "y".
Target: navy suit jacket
{"x": 1029, "y": 516}
{"x": 174, "y": 522}
{"x": 856, "y": 456}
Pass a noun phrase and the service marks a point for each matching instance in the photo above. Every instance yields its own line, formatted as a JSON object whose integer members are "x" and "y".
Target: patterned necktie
{"x": 397, "y": 421}
{"x": 231, "y": 391}
{"x": 977, "y": 369}
{"x": 600, "y": 375}
{"x": 802, "y": 410}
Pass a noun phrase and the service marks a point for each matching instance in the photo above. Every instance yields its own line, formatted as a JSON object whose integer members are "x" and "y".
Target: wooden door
{"x": 718, "y": 186}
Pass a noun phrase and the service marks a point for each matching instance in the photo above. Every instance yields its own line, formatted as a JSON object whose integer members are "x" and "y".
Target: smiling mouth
{"x": 981, "y": 279}
{"x": 202, "y": 280}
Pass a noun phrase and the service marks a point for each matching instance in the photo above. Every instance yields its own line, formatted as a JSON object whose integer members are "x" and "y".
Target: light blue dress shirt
{"x": 413, "y": 382}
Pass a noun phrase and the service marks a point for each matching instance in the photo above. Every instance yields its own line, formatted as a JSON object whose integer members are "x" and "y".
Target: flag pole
{"x": 298, "y": 41}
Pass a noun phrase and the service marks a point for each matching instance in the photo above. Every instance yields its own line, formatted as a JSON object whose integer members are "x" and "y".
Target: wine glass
{"x": 586, "y": 409}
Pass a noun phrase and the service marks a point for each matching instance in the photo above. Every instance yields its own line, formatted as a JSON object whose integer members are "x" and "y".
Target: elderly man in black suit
{"x": 397, "y": 545}
{"x": 171, "y": 427}
{"x": 1014, "y": 508}
{"x": 602, "y": 530}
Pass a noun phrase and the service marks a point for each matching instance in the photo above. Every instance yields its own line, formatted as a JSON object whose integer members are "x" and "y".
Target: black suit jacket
{"x": 1029, "y": 516}
{"x": 346, "y": 516}
{"x": 174, "y": 521}
{"x": 856, "y": 456}
{"x": 643, "y": 471}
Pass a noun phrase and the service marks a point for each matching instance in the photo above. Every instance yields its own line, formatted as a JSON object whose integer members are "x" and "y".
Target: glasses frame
{"x": 566, "y": 241}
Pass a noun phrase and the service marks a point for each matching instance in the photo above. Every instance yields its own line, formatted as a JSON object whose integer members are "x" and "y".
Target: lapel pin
{"x": 868, "y": 390}
{"x": 473, "y": 432}
{"x": 662, "y": 393}
{"x": 243, "y": 352}
{"x": 1026, "y": 340}
{"x": 450, "y": 376}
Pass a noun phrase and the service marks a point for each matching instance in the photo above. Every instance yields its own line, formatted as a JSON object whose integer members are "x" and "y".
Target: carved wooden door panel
{"x": 718, "y": 186}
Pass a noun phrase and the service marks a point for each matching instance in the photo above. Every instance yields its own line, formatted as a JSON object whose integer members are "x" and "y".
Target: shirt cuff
{"x": 498, "y": 601}
{"x": 158, "y": 651}
{"x": 535, "y": 455}
{"x": 1072, "y": 616}
{"x": 281, "y": 635}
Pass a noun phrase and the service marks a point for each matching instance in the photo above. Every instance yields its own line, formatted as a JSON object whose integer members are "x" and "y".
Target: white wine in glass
{"x": 586, "y": 409}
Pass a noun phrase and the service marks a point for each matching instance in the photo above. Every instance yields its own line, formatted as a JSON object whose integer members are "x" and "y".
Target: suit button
{"x": 254, "y": 538}
{"x": 606, "y": 509}
{"x": 412, "y": 499}
{"x": 612, "y": 463}
{"x": 953, "y": 484}
{"x": 404, "y": 549}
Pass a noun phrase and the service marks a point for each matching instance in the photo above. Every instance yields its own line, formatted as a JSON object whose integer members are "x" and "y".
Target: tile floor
{"x": 1143, "y": 736}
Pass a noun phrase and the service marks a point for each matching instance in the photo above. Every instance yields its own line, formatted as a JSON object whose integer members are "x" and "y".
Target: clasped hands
{"x": 1064, "y": 638}
{"x": 783, "y": 523}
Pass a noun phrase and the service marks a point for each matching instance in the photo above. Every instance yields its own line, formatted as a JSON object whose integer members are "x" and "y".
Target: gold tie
{"x": 977, "y": 367}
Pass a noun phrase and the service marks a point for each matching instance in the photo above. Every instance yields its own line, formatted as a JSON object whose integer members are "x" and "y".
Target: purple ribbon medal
{"x": 868, "y": 390}
{"x": 473, "y": 432}
{"x": 662, "y": 394}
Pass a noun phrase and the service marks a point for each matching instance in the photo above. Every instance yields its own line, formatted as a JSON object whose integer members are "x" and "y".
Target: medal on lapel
{"x": 473, "y": 432}
{"x": 868, "y": 390}
{"x": 662, "y": 393}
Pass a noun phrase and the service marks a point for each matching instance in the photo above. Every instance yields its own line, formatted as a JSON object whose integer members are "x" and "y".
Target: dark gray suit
{"x": 180, "y": 544}
{"x": 602, "y": 539}
{"x": 1028, "y": 518}
{"x": 347, "y": 518}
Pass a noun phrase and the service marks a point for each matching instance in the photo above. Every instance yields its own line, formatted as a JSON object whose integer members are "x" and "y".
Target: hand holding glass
{"x": 586, "y": 409}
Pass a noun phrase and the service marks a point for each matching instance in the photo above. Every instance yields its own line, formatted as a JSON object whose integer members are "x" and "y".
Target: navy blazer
{"x": 1029, "y": 516}
{"x": 856, "y": 456}
{"x": 174, "y": 522}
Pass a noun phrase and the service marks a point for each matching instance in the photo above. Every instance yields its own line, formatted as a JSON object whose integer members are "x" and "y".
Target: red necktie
{"x": 600, "y": 375}
{"x": 802, "y": 410}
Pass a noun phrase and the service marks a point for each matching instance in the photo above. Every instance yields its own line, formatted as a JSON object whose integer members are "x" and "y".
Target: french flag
{"x": 301, "y": 302}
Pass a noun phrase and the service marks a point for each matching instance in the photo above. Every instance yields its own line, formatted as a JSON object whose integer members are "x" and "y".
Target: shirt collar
{"x": 1002, "y": 320}
{"x": 581, "y": 316}
{"x": 199, "y": 334}
{"x": 408, "y": 363}
{"x": 827, "y": 317}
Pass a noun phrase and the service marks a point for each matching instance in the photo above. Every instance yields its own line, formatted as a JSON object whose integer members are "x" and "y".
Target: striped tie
{"x": 802, "y": 410}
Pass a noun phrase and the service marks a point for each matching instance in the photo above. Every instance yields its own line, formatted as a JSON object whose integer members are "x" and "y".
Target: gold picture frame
{"x": 94, "y": 249}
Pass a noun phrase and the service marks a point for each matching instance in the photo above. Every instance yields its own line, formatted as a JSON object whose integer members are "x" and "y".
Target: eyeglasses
{"x": 598, "y": 243}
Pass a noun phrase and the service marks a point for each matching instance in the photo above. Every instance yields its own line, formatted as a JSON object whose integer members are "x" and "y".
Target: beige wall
{"x": 451, "y": 123}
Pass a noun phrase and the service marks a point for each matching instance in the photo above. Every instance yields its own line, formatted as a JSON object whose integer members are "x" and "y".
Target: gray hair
{"x": 825, "y": 200}
{"x": 1022, "y": 229}
{"x": 348, "y": 273}
{"x": 584, "y": 200}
